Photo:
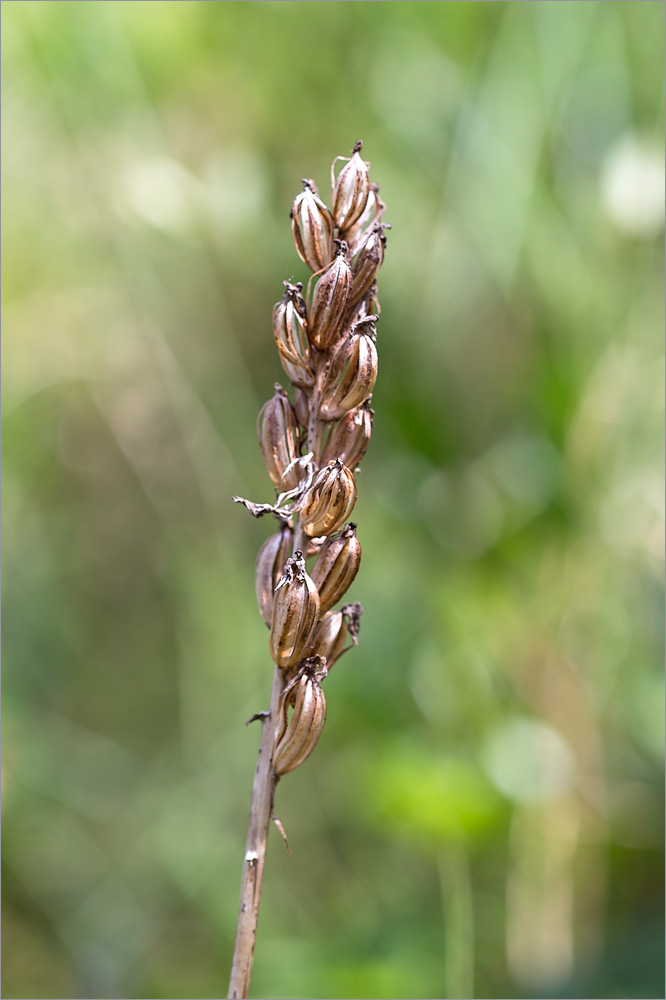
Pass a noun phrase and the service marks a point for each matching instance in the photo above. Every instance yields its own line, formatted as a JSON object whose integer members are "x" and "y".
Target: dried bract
{"x": 295, "y": 614}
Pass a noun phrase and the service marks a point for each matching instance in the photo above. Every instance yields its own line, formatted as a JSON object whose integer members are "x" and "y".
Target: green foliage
{"x": 483, "y": 814}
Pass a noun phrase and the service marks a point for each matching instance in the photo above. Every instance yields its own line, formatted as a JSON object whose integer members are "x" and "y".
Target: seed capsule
{"x": 301, "y": 406}
{"x": 366, "y": 263}
{"x": 298, "y": 375}
{"x": 271, "y": 560}
{"x": 349, "y": 439}
{"x": 312, "y": 228}
{"x": 336, "y": 566}
{"x": 334, "y": 630}
{"x": 298, "y": 736}
{"x": 350, "y": 190}
{"x": 329, "y": 300}
{"x": 353, "y": 370}
{"x": 291, "y": 337}
{"x": 329, "y": 501}
{"x": 278, "y": 434}
{"x": 295, "y": 614}
{"x": 373, "y": 212}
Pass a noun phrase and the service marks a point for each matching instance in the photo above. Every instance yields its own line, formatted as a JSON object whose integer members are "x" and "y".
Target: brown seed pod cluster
{"x": 327, "y": 344}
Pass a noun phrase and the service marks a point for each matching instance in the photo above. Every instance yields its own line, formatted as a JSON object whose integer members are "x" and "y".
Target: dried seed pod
{"x": 271, "y": 560}
{"x": 312, "y": 228}
{"x": 373, "y": 212}
{"x": 349, "y": 439}
{"x": 329, "y": 300}
{"x": 295, "y": 614}
{"x": 277, "y": 430}
{"x": 368, "y": 260}
{"x": 334, "y": 630}
{"x": 301, "y": 406}
{"x": 336, "y": 566}
{"x": 329, "y": 501}
{"x": 352, "y": 372}
{"x": 291, "y": 337}
{"x": 298, "y": 375}
{"x": 350, "y": 190}
{"x": 298, "y": 736}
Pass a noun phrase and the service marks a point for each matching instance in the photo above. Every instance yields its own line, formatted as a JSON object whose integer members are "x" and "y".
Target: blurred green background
{"x": 483, "y": 815}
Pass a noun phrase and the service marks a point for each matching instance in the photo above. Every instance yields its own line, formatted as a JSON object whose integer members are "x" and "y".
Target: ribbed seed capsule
{"x": 350, "y": 190}
{"x": 271, "y": 560}
{"x": 329, "y": 501}
{"x": 295, "y": 614}
{"x": 336, "y": 566}
{"x": 277, "y": 430}
{"x": 373, "y": 211}
{"x": 353, "y": 370}
{"x": 298, "y": 374}
{"x": 312, "y": 228}
{"x": 291, "y": 337}
{"x": 349, "y": 439}
{"x": 299, "y": 735}
{"x": 334, "y": 630}
{"x": 329, "y": 300}
{"x": 366, "y": 263}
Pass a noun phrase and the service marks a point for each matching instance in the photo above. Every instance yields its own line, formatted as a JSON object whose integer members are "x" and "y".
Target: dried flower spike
{"x": 326, "y": 343}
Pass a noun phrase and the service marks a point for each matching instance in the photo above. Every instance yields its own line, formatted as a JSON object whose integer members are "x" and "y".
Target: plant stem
{"x": 263, "y": 791}
{"x": 261, "y": 811}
